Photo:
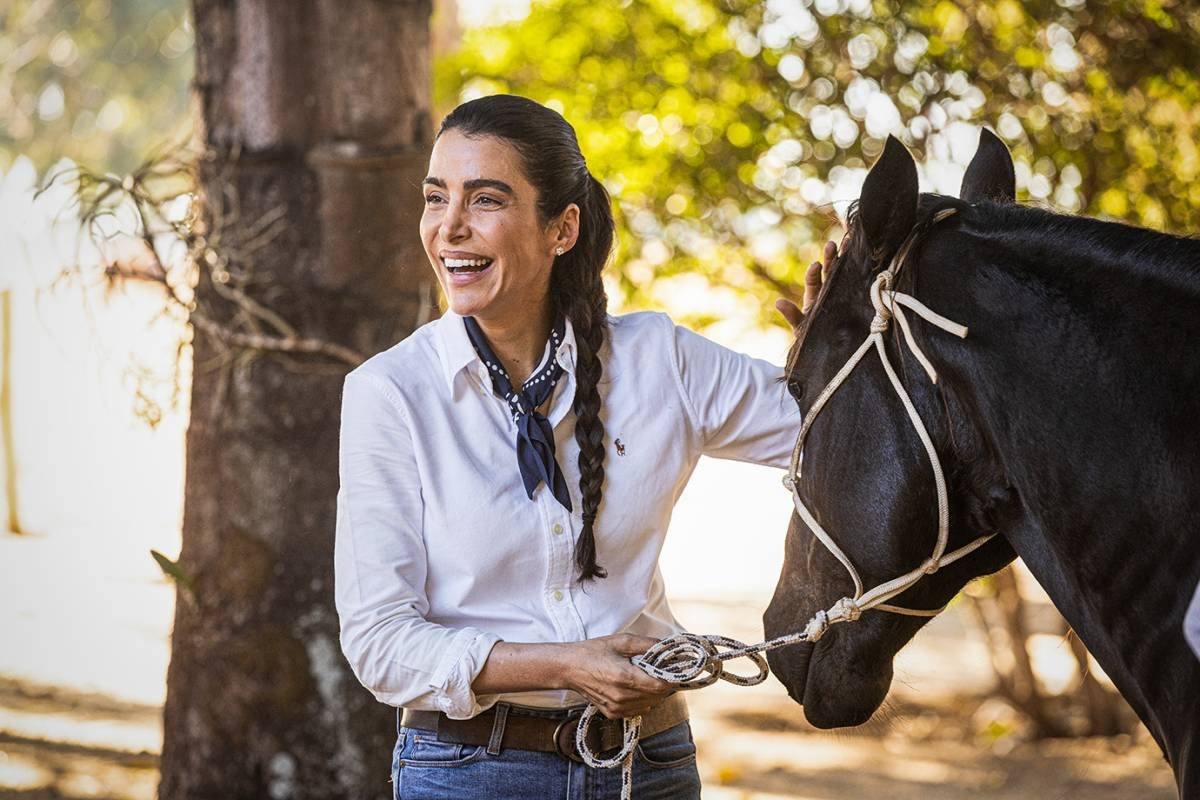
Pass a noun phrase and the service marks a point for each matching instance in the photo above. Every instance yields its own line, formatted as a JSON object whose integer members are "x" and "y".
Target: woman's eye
{"x": 488, "y": 201}
{"x": 433, "y": 198}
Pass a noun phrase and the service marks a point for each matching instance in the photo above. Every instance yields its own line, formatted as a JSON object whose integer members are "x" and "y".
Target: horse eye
{"x": 796, "y": 387}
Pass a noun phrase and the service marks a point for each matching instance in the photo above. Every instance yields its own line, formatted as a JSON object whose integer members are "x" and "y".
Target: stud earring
{"x": 558, "y": 251}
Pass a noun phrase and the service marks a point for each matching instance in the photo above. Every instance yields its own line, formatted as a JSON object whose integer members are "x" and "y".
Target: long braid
{"x": 589, "y": 434}
{"x": 581, "y": 297}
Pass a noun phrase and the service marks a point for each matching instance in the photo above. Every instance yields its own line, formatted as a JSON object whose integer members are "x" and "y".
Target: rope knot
{"x": 846, "y": 610}
{"x": 931, "y": 566}
{"x": 816, "y": 627}
{"x": 883, "y": 314}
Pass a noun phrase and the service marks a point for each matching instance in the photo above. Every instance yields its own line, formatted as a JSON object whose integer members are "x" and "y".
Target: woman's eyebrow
{"x": 488, "y": 183}
{"x": 474, "y": 183}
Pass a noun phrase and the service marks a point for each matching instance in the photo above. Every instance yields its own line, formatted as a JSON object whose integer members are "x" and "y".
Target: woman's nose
{"x": 454, "y": 224}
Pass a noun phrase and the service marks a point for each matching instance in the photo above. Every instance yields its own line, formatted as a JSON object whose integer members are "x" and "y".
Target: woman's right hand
{"x": 813, "y": 278}
{"x": 601, "y": 671}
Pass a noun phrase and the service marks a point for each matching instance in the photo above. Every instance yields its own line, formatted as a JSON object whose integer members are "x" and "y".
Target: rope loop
{"x": 629, "y": 741}
{"x": 691, "y": 661}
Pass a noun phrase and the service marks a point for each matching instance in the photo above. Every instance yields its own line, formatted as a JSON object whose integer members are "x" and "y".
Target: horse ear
{"x": 888, "y": 204}
{"x": 990, "y": 175}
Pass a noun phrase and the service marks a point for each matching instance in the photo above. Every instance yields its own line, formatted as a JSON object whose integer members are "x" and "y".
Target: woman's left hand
{"x": 813, "y": 279}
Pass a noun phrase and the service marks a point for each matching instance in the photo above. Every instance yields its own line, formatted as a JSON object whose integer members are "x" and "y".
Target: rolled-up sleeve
{"x": 739, "y": 405}
{"x": 380, "y": 566}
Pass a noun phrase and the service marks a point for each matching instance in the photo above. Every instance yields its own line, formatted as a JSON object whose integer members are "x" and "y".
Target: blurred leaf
{"x": 173, "y": 571}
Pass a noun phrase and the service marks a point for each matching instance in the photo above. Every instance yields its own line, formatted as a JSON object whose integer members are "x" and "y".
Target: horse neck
{"x": 1082, "y": 376}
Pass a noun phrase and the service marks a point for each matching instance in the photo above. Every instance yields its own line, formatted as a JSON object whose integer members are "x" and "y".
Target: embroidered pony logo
{"x": 620, "y": 447}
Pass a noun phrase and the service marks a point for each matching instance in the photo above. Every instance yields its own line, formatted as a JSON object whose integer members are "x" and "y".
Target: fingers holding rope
{"x": 687, "y": 660}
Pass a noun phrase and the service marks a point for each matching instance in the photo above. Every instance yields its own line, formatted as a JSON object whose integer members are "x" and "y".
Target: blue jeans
{"x": 664, "y": 768}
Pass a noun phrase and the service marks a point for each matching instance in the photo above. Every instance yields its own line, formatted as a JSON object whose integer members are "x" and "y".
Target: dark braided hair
{"x": 555, "y": 167}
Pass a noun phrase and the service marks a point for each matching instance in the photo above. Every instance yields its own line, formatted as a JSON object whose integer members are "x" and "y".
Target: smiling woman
{"x": 488, "y": 600}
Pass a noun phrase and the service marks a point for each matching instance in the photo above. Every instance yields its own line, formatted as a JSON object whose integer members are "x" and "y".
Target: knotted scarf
{"x": 535, "y": 435}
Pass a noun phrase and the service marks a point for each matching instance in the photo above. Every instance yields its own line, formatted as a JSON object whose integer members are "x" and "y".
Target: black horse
{"x": 1068, "y": 422}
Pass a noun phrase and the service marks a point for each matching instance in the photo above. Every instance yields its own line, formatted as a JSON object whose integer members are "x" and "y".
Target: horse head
{"x": 867, "y": 476}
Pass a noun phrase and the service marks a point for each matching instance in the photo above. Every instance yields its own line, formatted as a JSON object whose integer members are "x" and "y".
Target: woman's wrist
{"x": 565, "y": 662}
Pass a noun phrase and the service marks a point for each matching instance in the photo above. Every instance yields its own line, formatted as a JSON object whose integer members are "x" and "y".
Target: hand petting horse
{"x": 1065, "y": 423}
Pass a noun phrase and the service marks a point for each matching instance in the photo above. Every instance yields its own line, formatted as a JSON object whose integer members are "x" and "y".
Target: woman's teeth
{"x": 467, "y": 264}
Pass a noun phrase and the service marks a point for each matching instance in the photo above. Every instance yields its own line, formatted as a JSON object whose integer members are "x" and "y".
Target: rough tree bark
{"x": 315, "y": 115}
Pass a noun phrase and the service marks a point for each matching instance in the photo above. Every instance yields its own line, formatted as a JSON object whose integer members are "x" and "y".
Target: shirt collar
{"x": 457, "y": 353}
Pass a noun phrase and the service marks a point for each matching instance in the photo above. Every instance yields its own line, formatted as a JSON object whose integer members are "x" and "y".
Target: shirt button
{"x": 558, "y": 595}
{"x": 557, "y": 529}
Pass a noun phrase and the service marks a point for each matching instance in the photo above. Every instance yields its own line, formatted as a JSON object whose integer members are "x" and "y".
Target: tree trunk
{"x": 1002, "y": 617}
{"x": 316, "y": 128}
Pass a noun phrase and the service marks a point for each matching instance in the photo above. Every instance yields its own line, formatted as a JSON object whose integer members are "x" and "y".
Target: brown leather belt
{"x": 549, "y": 730}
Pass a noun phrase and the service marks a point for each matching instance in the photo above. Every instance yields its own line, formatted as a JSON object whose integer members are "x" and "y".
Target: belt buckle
{"x": 564, "y": 737}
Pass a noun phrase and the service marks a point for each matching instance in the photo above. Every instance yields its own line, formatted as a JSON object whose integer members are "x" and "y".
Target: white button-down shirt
{"x": 440, "y": 553}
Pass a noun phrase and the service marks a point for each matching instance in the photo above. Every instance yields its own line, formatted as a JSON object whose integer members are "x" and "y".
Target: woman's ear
{"x": 888, "y": 204}
{"x": 564, "y": 229}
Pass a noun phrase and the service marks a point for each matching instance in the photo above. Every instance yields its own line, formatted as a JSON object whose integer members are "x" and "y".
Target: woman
{"x": 508, "y": 472}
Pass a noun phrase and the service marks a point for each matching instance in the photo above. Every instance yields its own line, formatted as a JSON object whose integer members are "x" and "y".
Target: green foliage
{"x": 727, "y": 129}
{"x": 98, "y": 81}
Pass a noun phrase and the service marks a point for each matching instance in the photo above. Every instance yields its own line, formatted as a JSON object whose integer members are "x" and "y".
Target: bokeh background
{"x": 732, "y": 136}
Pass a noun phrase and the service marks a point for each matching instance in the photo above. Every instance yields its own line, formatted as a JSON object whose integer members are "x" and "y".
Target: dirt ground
{"x": 932, "y": 743}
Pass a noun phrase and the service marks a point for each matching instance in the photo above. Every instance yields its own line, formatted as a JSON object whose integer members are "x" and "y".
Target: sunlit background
{"x": 788, "y": 96}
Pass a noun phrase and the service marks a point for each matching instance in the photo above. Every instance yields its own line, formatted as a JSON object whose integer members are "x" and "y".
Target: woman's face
{"x": 481, "y": 230}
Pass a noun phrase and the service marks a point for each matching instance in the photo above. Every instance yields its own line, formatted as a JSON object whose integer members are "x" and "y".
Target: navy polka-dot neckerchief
{"x": 535, "y": 435}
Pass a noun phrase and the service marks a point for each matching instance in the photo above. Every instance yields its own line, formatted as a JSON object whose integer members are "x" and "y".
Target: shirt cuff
{"x": 462, "y": 661}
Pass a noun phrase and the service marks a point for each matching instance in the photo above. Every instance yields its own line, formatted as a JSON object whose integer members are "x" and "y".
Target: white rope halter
{"x": 888, "y": 304}
{"x": 691, "y": 661}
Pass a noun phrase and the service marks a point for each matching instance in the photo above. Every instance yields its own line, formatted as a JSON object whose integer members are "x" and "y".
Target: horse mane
{"x": 1076, "y": 242}
{"x": 1080, "y": 242}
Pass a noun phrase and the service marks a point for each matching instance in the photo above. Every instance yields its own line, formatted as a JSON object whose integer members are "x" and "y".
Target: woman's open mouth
{"x": 459, "y": 266}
